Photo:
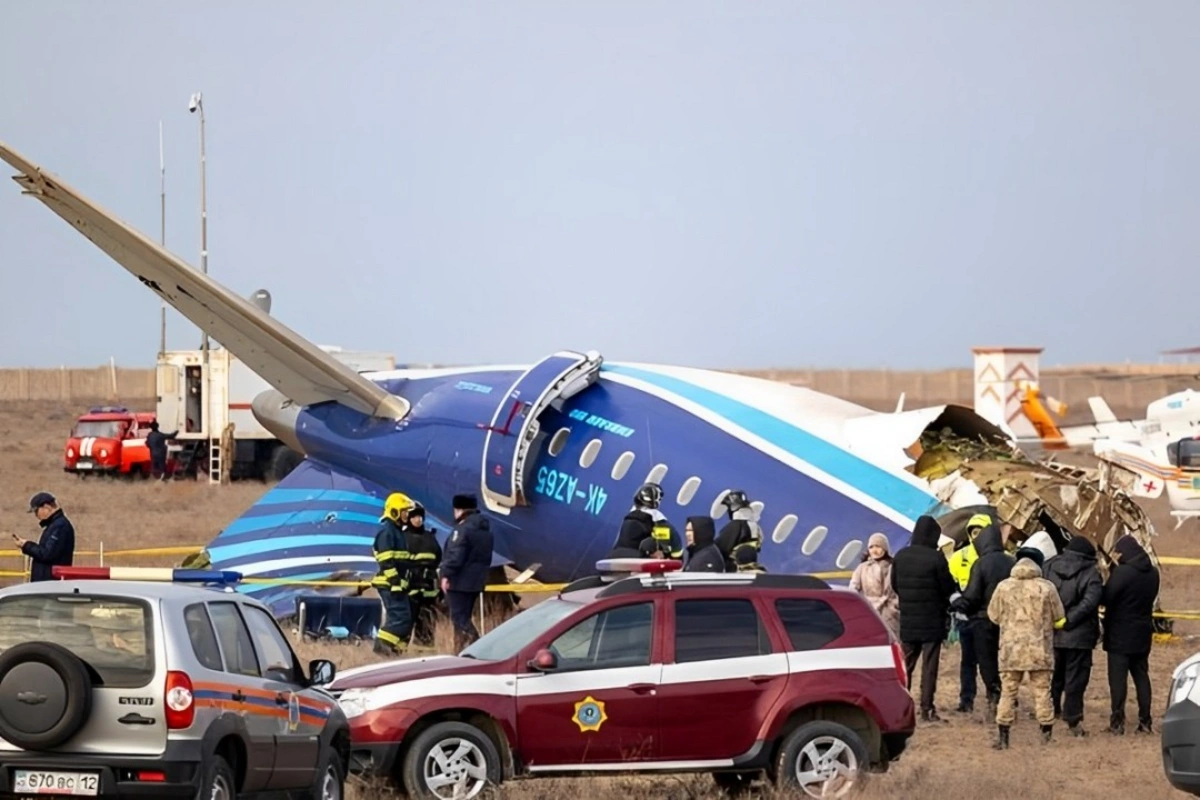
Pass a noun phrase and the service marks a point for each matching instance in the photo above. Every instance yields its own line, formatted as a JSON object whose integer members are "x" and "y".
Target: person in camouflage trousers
{"x": 1027, "y": 608}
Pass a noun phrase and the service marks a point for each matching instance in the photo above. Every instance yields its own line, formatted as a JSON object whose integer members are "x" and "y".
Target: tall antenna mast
{"x": 162, "y": 183}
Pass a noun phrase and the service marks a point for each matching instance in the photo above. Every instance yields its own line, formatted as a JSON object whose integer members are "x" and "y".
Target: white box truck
{"x": 200, "y": 406}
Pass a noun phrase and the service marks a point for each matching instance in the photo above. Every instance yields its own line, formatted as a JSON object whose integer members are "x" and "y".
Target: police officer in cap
{"x": 465, "y": 566}
{"x": 741, "y": 539}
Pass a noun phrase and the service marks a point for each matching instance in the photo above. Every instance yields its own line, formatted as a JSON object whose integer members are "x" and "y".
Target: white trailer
{"x": 201, "y": 405}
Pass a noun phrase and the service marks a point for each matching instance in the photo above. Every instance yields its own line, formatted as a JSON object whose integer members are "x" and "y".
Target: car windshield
{"x": 507, "y": 639}
{"x": 101, "y": 428}
{"x": 111, "y": 634}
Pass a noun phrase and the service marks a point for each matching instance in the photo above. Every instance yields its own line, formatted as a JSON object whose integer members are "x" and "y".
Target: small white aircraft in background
{"x": 1158, "y": 453}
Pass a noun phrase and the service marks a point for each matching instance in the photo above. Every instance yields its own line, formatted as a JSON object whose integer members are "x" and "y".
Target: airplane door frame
{"x": 514, "y": 424}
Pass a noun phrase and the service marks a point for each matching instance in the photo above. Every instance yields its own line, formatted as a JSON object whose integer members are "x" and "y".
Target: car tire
{"x": 818, "y": 752}
{"x": 450, "y": 737}
{"x": 218, "y": 781}
{"x": 45, "y": 695}
{"x": 329, "y": 781}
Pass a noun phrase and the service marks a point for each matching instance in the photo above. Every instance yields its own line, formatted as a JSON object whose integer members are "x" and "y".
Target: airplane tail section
{"x": 293, "y": 365}
{"x": 1100, "y": 410}
{"x": 317, "y": 525}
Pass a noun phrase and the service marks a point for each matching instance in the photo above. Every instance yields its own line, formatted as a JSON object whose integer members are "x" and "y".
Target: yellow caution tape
{"x": 180, "y": 550}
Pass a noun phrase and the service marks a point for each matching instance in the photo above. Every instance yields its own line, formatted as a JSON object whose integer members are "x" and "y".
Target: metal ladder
{"x": 214, "y": 461}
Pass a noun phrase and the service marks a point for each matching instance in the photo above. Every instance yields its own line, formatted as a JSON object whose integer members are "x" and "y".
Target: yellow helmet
{"x": 397, "y": 503}
{"x": 979, "y": 521}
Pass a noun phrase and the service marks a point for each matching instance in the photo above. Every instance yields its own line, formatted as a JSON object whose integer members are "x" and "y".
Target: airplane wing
{"x": 293, "y": 365}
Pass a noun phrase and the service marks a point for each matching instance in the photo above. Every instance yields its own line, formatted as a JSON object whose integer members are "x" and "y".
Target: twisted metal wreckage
{"x": 1062, "y": 499}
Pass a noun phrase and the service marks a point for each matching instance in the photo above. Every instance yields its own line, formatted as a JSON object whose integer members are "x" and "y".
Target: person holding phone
{"x": 56, "y": 547}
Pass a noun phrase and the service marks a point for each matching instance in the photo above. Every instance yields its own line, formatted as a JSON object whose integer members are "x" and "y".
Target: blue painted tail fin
{"x": 317, "y": 524}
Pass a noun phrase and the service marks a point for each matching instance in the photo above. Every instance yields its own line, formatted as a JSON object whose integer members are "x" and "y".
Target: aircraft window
{"x": 588, "y": 456}
{"x": 687, "y": 491}
{"x": 717, "y": 509}
{"x": 657, "y": 474}
{"x": 815, "y": 538}
{"x": 784, "y": 528}
{"x": 1189, "y": 453}
{"x": 849, "y": 553}
{"x": 622, "y": 466}
{"x": 559, "y": 441}
{"x": 757, "y": 506}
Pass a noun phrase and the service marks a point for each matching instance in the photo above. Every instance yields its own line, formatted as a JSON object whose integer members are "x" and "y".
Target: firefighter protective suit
{"x": 419, "y": 575}
{"x": 740, "y": 541}
{"x": 389, "y": 546}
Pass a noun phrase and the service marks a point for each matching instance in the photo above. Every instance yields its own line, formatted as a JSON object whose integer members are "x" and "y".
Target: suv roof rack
{"x": 646, "y": 583}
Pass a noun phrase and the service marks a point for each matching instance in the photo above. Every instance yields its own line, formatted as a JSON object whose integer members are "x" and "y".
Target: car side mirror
{"x": 322, "y": 671}
{"x": 543, "y": 661}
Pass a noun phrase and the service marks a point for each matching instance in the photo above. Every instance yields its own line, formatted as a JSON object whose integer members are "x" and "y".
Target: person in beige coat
{"x": 1027, "y": 608}
{"x": 873, "y": 580}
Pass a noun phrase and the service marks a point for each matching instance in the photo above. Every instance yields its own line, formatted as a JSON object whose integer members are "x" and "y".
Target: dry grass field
{"x": 950, "y": 759}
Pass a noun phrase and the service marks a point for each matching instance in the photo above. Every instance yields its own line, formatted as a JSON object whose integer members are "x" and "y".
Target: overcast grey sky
{"x": 715, "y": 184}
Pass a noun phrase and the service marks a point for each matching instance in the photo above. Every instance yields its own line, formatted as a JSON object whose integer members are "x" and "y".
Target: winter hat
{"x": 465, "y": 502}
{"x": 1082, "y": 545}
{"x": 1128, "y": 547}
{"x": 1033, "y": 554}
{"x": 1042, "y": 541}
{"x": 881, "y": 540}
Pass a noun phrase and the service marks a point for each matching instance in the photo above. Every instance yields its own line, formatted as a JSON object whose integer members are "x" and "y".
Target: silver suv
{"x": 117, "y": 688}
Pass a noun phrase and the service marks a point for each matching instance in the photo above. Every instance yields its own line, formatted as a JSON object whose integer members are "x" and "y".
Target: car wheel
{"x": 451, "y": 761}
{"x": 45, "y": 695}
{"x": 823, "y": 759}
{"x": 218, "y": 782}
{"x": 329, "y": 782}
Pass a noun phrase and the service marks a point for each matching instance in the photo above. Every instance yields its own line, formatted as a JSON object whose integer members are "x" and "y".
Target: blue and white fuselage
{"x": 697, "y": 433}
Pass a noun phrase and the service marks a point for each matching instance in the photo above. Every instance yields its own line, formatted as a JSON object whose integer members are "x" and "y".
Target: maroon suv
{"x": 734, "y": 674}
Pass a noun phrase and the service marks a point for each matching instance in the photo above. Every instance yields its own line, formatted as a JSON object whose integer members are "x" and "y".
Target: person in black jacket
{"x": 993, "y": 566}
{"x": 56, "y": 547}
{"x": 922, "y": 581}
{"x": 1073, "y": 572}
{"x": 156, "y": 443}
{"x": 1128, "y": 600}
{"x": 703, "y": 555}
{"x": 465, "y": 566}
{"x": 638, "y": 525}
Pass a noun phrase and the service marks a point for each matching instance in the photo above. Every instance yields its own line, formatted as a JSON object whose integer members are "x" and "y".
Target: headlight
{"x": 354, "y": 702}
{"x": 1185, "y": 681}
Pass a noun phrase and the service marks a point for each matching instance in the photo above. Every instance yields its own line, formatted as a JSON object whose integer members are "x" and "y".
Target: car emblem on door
{"x": 589, "y": 714}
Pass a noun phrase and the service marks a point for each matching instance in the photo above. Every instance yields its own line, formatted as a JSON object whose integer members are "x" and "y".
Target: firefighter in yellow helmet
{"x": 390, "y": 547}
{"x": 961, "y": 562}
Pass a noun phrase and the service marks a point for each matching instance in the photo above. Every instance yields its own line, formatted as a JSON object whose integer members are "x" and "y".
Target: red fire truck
{"x": 110, "y": 440}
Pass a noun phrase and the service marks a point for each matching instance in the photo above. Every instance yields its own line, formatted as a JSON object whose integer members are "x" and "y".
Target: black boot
{"x": 1046, "y": 731}
{"x": 1002, "y": 741}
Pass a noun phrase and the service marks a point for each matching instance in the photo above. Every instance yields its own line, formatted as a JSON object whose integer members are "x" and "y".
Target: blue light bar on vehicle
{"x": 653, "y": 566}
{"x": 161, "y": 574}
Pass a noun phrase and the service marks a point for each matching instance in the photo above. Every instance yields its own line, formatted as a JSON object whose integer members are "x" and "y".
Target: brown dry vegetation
{"x": 950, "y": 759}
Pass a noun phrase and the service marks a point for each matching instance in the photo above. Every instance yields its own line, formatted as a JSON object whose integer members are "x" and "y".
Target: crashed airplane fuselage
{"x": 556, "y": 450}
